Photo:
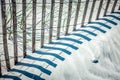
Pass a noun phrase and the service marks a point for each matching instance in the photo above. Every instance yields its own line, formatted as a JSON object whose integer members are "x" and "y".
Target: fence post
{"x": 106, "y": 8}
{"x": 76, "y": 14}
{"x": 114, "y": 5}
{"x": 24, "y": 26}
{"x": 84, "y": 13}
{"x": 51, "y": 20}
{"x": 91, "y": 12}
{"x": 0, "y": 67}
{"x": 43, "y": 22}
{"x": 14, "y": 31}
{"x": 99, "y": 9}
{"x": 5, "y": 44}
{"x": 33, "y": 25}
{"x": 59, "y": 19}
{"x": 69, "y": 16}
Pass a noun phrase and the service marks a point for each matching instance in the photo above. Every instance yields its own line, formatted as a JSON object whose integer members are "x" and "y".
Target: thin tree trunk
{"x": 51, "y": 20}
{"x": 43, "y": 22}
{"x": 91, "y": 12}
{"x": 76, "y": 14}
{"x": 106, "y": 8}
{"x": 99, "y": 9}
{"x": 69, "y": 16}
{"x": 15, "y": 31}
{"x": 5, "y": 44}
{"x": 10, "y": 33}
{"x": 24, "y": 26}
{"x": 114, "y": 5}
{"x": 34, "y": 25}
{"x": 59, "y": 19}
{"x": 84, "y": 13}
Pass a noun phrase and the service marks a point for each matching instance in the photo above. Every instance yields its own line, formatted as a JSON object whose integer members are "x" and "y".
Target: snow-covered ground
{"x": 94, "y": 56}
{"x": 80, "y": 64}
{"x": 73, "y": 57}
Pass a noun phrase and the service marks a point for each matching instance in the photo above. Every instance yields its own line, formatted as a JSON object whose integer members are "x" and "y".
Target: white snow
{"x": 104, "y": 47}
{"x": 79, "y": 66}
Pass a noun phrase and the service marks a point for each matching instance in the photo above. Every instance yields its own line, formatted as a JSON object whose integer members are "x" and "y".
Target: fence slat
{"x": 43, "y": 22}
{"x": 99, "y": 9}
{"x": 51, "y": 20}
{"x": 69, "y": 16}
{"x": 106, "y": 8}
{"x": 24, "y": 26}
{"x": 91, "y": 12}
{"x": 15, "y": 31}
{"x": 0, "y": 67}
{"x": 76, "y": 14}
{"x": 84, "y": 13}
{"x": 33, "y": 25}
{"x": 5, "y": 44}
{"x": 59, "y": 19}
{"x": 114, "y": 5}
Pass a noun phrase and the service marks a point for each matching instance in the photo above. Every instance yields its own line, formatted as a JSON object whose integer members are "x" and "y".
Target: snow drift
{"x": 80, "y": 65}
{"x": 89, "y": 53}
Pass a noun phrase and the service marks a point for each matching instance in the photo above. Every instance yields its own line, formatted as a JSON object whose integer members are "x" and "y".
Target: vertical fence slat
{"x": 51, "y": 20}
{"x": 114, "y": 5}
{"x": 33, "y": 25}
{"x": 69, "y": 16}
{"x": 106, "y": 8}
{"x": 91, "y": 12}
{"x": 99, "y": 9}
{"x": 0, "y": 67}
{"x": 24, "y": 26}
{"x": 76, "y": 14}
{"x": 84, "y": 13}
{"x": 5, "y": 45}
{"x": 43, "y": 22}
{"x": 59, "y": 19}
{"x": 14, "y": 31}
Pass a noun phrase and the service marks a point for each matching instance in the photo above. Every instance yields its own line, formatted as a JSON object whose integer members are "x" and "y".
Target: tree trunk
{"x": 5, "y": 45}
{"x": 15, "y": 31}
{"x": 34, "y": 25}
{"x": 24, "y": 26}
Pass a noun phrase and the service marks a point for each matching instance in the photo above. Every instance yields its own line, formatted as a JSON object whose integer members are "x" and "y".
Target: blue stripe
{"x": 51, "y": 54}
{"x": 102, "y": 24}
{"x": 94, "y": 27}
{"x": 113, "y": 17}
{"x": 110, "y": 21}
{"x": 44, "y": 70}
{"x": 11, "y": 77}
{"x": 115, "y": 12}
{"x": 42, "y": 60}
{"x": 55, "y": 48}
{"x": 89, "y": 32}
{"x": 71, "y": 39}
{"x": 83, "y": 36}
{"x": 30, "y": 75}
{"x": 65, "y": 44}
